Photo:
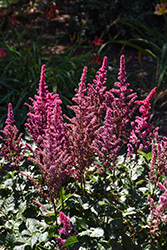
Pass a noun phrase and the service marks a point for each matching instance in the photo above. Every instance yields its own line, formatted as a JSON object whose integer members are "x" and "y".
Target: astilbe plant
{"x": 66, "y": 230}
{"x": 97, "y": 92}
{"x": 81, "y": 130}
{"x": 12, "y": 148}
{"x": 46, "y": 127}
{"x": 114, "y": 133}
{"x": 43, "y": 103}
{"x": 121, "y": 102}
{"x": 157, "y": 212}
{"x": 158, "y": 166}
{"x": 141, "y": 134}
{"x": 101, "y": 126}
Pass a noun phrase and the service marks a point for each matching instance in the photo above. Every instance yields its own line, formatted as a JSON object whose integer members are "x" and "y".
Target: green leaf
{"x": 129, "y": 211}
{"x": 22, "y": 208}
{"x": 22, "y": 247}
{"x": 164, "y": 52}
{"x": 43, "y": 237}
{"x": 115, "y": 245}
{"x": 83, "y": 233}
{"x": 82, "y": 223}
{"x": 97, "y": 232}
{"x": 70, "y": 242}
{"x": 126, "y": 241}
{"x": 34, "y": 239}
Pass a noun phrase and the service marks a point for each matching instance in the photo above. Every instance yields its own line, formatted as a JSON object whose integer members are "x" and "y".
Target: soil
{"x": 142, "y": 82}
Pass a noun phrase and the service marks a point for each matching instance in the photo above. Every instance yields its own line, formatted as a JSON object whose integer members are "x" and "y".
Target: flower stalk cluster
{"x": 66, "y": 230}
{"x": 101, "y": 126}
{"x": 12, "y": 148}
{"x": 157, "y": 212}
{"x": 158, "y": 165}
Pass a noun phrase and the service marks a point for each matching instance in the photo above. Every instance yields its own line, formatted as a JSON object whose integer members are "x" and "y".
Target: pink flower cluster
{"x": 158, "y": 165}
{"x": 2, "y": 52}
{"x": 52, "y": 11}
{"x": 140, "y": 127}
{"x": 158, "y": 217}
{"x": 12, "y": 148}
{"x": 101, "y": 126}
{"x": 46, "y": 128}
{"x": 66, "y": 229}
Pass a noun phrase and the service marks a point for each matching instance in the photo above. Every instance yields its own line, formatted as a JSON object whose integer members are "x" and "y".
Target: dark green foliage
{"x": 100, "y": 14}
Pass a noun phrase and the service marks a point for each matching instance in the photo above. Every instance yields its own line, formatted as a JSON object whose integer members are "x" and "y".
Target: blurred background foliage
{"x": 60, "y": 34}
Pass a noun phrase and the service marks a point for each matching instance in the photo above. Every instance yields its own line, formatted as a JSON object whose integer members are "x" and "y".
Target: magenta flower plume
{"x": 158, "y": 215}
{"x": 44, "y": 102}
{"x": 141, "y": 128}
{"x": 97, "y": 91}
{"x": 158, "y": 166}
{"x": 46, "y": 127}
{"x": 145, "y": 104}
{"x": 106, "y": 145}
{"x": 66, "y": 230}
{"x": 120, "y": 100}
{"x": 81, "y": 129}
{"x": 53, "y": 153}
{"x": 11, "y": 146}
{"x": 115, "y": 132}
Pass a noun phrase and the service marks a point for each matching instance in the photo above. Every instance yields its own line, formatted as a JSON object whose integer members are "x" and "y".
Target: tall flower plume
{"x": 12, "y": 148}
{"x": 81, "y": 129}
{"x": 158, "y": 216}
{"x": 46, "y": 127}
{"x": 43, "y": 103}
{"x": 121, "y": 102}
{"x": 140, "y": 127}
{"x": 158, "y": 165}
{"x": 114, "y": 133}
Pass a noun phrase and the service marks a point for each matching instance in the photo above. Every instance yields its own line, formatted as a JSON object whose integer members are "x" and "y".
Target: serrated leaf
{"x": 31, "y": 224}
{"x": 83, "y": 233}
{"x": 16, "y": 226}
{"x": 70, "y": 242}
{"x": 43, "y": 237}
{"x": 22, "y": 247}
{"x": 34, "y": 239}
{"x": 97, "y": 232}
{"x": 129, "y": 211}
{"x": 22, "y": 208}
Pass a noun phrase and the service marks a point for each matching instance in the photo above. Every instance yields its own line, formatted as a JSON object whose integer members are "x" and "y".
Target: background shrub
{"x": 99, "y": 14}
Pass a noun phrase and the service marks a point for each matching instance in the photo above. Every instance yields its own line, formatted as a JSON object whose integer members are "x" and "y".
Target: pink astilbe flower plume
{"x": 55, "y": 158}
{"x": 81, "y": 129}
{"x": 106, "y": 145}
{"x": 12, "y": 148}
{"x": 114, "y": 133}
{"x": 44, "y": 102}
{"x": 141, "y": 128}
{"x": 66, "y": 230}
{"x": 46, "y": 127}
{"x": 158, "y": 215}
{"x": 158, "y": 166}
{"x": 119, "y": 100}
{"x": 97, "y": 91}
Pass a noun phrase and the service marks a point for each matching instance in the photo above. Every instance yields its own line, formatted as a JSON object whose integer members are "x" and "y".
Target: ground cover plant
{"x": 93, "y": 181}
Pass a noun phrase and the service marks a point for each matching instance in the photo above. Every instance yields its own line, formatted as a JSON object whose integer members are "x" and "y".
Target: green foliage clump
{"x": 100, "y": 14}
